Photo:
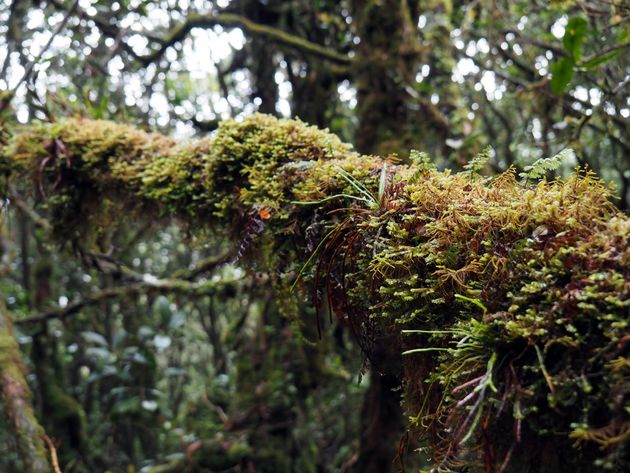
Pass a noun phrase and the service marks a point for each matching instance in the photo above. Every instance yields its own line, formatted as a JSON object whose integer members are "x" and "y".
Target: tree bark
{"x": 387, "y": 59}
{"x": 381, "y": 413}
{"x": 16, "y": 397}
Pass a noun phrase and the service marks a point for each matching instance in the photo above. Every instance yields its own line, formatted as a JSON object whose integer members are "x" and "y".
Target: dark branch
{"x": 149, "y": 284}
{"x": 237, "y": 21}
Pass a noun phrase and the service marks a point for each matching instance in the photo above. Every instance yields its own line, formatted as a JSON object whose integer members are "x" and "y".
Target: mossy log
{"x": 16, "y": 398}
{"x": 510, "y": 299}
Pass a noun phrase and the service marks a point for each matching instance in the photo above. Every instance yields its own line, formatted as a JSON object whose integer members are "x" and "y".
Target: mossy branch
{"x": 232, "y": 20}
{"x": 549, "y": 262}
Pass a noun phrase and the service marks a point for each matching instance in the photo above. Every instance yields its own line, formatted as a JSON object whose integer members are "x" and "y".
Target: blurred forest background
{"x": 132, "y": 375}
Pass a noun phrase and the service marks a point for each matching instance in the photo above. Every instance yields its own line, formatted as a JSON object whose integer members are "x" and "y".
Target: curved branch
{"x": 237, "y": 21}
{"x": 149, "y": 284}
{"x": 339, "y": 63}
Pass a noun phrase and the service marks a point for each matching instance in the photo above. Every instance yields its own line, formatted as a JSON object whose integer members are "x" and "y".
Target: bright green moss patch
{"x": 511, "y": 298}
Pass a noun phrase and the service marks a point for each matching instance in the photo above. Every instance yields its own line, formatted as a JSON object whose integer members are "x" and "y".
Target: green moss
{"x": 516, "y": 294}
{"x": 249, "y": 155}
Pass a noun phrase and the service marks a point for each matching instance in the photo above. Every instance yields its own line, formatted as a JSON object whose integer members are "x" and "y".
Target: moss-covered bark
{"x": 16, "y": 398}
{"x": 510, "y": 297}
{"x": 387, "y": 61}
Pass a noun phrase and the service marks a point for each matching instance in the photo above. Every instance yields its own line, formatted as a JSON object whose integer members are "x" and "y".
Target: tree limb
{"x": 180, "y": 32}
{"x": 209, "y": 21}
{"x": 280, "y": 187}
{"x": 149, "y": 284}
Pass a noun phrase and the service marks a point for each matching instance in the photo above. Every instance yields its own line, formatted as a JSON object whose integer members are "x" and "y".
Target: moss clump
{"x": 253, "y": 150}
{"x": 520, "y": 297}
{"x": 510, "y": 298}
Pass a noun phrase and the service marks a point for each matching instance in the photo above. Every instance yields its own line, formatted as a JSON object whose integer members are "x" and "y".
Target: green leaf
{"x": 476, "y": 302}
{"x": 93, "y": 338}
{"x": 127, "y": 406}
{"x": 599, "y": 60}
{"x": 354, "y": 182}
{"x": 162, "y": 309}
{"x": 574, "y": 37}
{"x": 561, "y": 75}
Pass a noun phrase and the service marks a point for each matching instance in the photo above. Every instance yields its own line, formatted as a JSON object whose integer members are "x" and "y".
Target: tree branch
{"x": 285, "y": 191}
{"x": 557, "y": 50}
{"x": 27, "y": 210}
{"x": 566, "y": 101}
{"x": 148, "y": 284}
{"x": 237, "y": 21}
{"x": 28, "y": 70}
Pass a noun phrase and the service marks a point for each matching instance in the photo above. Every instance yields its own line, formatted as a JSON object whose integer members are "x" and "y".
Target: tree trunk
{"x": 381, "y": 414}
{"x": 16, "y": 398}
{"x": 387, "y": 57}
{"x": 386, "y": 63}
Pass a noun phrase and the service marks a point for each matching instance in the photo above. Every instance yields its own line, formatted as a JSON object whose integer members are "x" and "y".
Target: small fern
{"x": 421, "y": 159}
{"x": 544, "y": 165}
{"x": 476, "y": 164}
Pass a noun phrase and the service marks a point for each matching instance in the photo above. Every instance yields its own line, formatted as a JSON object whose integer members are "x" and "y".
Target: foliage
{"x": 542, "y": 166}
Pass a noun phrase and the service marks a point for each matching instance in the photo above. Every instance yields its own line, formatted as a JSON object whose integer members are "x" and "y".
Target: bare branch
{"x": 228, "y": 20}
{"x": 29, "y": 212}
{"x": 149, "y": 283}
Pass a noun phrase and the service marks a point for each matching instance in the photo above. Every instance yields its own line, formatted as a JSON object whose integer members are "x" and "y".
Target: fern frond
{"x": 422, "y": 160}
{"x": 544, "y": 165}
{"x": 476, "y": 164}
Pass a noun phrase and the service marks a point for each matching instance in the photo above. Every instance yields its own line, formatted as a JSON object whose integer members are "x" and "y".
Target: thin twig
{"x": 28, "y": 70}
